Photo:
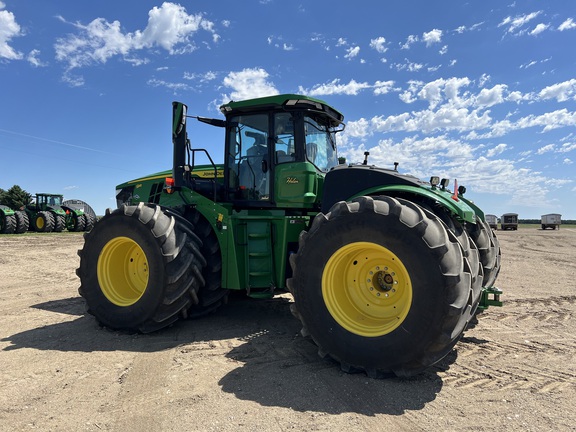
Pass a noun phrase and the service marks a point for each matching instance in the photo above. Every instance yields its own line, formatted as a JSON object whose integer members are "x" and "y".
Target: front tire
{"x": 76, "y": 222}
{"x": 140, "y": 268}
{"x": 380, "y": 285}
{"x": 44, "y": 221}
{"x": 7, "y": 223}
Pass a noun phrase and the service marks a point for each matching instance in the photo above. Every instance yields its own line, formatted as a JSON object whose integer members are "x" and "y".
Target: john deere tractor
{"x": 386, "y": 270}
{"x": 48, "y": 213}
{"x": 12, "y": 221}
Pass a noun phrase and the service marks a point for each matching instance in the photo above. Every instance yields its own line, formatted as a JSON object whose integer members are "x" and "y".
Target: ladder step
{"x": 262, "y": 273}
{"x": 259, "y": 254}
{"x": 258, "y": 235}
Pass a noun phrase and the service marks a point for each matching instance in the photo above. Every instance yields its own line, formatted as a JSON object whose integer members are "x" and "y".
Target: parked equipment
{"x": 509, "y": 221}
{"x": 12, "y": 221}
{"x": 386, "y": 270}
{"x": 492, "y": 221}
{"x": 47, "y": 213}
{"x": 552, "y": 220}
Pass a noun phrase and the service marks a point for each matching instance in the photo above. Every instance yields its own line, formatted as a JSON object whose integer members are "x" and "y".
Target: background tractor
{"x": 12, "y": 221}
{"x": 386, "y": 270}
{"x": 48, "y": 213}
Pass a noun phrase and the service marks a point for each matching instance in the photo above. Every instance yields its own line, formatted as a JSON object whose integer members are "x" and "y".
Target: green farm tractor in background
{"x": 47, "y": 213}
{"x": 386, "y": 270}
{"x": 12, "y": 221}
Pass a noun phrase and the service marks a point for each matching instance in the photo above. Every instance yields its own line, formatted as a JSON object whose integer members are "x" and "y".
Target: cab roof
{"x": 282, "y": 101}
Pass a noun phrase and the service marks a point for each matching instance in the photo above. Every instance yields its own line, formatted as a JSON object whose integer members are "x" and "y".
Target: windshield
{"x": 320, "y": 144}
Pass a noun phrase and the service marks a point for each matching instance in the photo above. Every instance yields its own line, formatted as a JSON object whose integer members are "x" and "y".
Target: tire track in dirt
{"x": 535, "y": 329}
{"x": 143, "y": 389}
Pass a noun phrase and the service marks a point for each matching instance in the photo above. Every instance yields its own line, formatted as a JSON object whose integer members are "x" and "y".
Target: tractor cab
{"x": 48, "y": 201}
{"x": 277, "y": 151}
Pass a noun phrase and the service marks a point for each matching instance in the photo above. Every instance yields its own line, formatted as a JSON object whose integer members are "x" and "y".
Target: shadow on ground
{"x": 276, "y": 365}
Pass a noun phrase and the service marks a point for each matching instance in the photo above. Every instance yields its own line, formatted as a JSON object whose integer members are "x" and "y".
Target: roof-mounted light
{"x": 461, "y": 190}
{"x": 444, "y": 183}
{"x": 434, "y": 180}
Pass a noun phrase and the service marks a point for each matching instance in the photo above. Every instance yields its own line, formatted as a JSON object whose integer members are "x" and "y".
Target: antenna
{"x": 365, "y": 158}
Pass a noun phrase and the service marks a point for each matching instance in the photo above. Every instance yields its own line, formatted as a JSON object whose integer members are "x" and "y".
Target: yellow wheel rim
{"x": 367, "y": 289}
{"x": 123, "y": 271}
{"x": 40, "y": 222}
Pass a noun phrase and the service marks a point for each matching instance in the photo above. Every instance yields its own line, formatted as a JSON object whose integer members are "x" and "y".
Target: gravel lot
{"x": 246, "y": 368}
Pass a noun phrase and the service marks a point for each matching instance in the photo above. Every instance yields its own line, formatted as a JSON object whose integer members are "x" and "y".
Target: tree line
{"x": 15, "y": 197}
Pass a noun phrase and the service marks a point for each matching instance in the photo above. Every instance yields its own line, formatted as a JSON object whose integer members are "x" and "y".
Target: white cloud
{"x": 539, "y": 29}
{"x": 200, "y": 77}
{"x": 432, "y": 37}
{"x": 567, "y": 147}
{"x": 499, "y": 149}
{"x": 484, "y": 78}
{"x": 407, "y": 66}
{"x": 437, "y": 92}
{"x": 569, "y": 24}
{"x": 517, "y": 97}
{"x": 383, "y": 87}
{"x": 33, "y": 59}
{"x": 548, "y": 121}
{"x": 341, "y": 42}
{"x": 461, "y": 29}
{"x": 493, "y": 96}
{"x": 247, "y": 84}
{"x": 443, "y": 50}
{"x": 515, "y": 23}
{"x": 379, "y": 44}
{"x": 352, "y": 52}
{"x": 169, "y": 27}
{"x": 175, "y": 87}
{"x": 334, "y": 87}
{"x": 529, "y": 64}
{"x": 567, "y": 161}
{"x": 561, "y": 92}
{"x": 445, "y": 118}
{"x": 546, "y": 149}
{"x": 411, "y": 40}
{"x": 9, "y": 29}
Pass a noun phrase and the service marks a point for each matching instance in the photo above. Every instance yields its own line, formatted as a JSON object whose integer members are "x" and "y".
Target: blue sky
{"x": 481, "y": 91}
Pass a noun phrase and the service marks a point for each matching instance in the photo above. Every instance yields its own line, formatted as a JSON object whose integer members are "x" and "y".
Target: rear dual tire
{"x": 381, "y": 286}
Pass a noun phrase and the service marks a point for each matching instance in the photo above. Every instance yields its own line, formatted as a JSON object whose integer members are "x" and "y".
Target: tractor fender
{"x": 462, "y": 208}
{"x": 6, "y": 211}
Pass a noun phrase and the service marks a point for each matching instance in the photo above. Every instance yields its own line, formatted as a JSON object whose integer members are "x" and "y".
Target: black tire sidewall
{"x": 114, "y": 226}
{"x": 423, "y": 323}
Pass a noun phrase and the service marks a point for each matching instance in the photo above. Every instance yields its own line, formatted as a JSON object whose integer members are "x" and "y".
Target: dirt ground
{"x": 246, "y": 368}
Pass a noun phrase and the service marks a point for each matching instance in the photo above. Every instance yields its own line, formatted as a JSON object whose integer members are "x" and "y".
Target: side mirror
{"x": 178, "y": 118}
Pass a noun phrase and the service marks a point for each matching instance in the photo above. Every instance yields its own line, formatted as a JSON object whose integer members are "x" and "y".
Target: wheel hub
{"x": 382, "y": 280}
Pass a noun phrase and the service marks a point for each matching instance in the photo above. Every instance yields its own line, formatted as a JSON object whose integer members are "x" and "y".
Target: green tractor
{"x": 386, "y": 270}
{"x": 47, "y": 213}
{"x": 12, "y": 221}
